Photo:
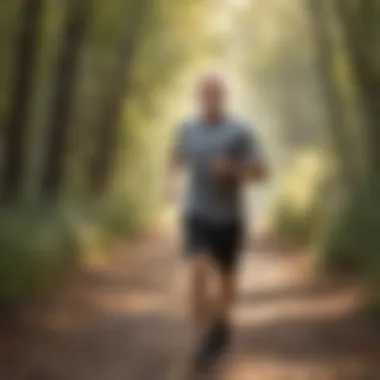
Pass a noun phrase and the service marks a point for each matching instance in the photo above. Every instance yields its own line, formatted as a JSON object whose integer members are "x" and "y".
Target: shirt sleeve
{"x": 250, "y": 150}
{"x": 178, "y": 145}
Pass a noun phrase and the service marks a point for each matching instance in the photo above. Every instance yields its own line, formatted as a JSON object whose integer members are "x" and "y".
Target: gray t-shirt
{"x": 198, "y": 145}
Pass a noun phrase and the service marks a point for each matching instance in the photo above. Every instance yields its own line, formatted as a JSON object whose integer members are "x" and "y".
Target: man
{"x": 221, "y": 156}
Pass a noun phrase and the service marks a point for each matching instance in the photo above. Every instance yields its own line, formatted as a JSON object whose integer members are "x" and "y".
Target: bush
{"x": 354, "y": 241}
{"x": 35, "y": 246}
{"x": 40, "y": 244}
{"x": 302, "y": 192}
{"x": 341, "y": 226}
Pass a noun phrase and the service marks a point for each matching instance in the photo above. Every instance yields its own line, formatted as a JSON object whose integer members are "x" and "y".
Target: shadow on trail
{"x": 142, "y": 346}
{"x": 308, "y": 292}
{"x": 343, "y": 344}
{"x": 156, "y": 272}
{"x": 317, "y": 338}
{"x": 149, "y": 346}
{"x": 126, "y": 321}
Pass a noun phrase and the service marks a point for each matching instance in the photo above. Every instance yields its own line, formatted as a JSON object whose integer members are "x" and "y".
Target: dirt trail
{"x": 127, "y": 321}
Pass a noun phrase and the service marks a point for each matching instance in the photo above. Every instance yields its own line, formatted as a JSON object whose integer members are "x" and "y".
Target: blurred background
{"x": 90, "y": 92}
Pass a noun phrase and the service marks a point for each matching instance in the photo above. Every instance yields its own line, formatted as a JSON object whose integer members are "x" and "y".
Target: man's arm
{"x": 249, "y": 166}
{"x": 176, "y": 159}
{"x": 251, "y": 171}
{"x": 175, "y": 164}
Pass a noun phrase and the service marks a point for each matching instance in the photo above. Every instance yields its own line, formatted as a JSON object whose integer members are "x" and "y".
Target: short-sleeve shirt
{"x": 198, "y": 144}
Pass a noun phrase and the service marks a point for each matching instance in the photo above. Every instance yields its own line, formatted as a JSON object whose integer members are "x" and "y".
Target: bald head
{"x": 212, "y": 79}
{"x": 212, "y": 91}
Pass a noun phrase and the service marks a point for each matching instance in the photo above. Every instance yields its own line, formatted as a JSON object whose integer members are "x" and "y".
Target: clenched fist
{"x": 223, "y": 167}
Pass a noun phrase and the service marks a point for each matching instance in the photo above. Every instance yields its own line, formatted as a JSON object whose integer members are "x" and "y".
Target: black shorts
{"x": 222, "y": 242}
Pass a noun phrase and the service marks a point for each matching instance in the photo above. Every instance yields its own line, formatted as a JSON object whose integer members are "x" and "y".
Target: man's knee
{"x": 201, "y": 265}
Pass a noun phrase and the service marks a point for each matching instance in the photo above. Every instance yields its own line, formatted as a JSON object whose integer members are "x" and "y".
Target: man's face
{"x": 211, "y": 94}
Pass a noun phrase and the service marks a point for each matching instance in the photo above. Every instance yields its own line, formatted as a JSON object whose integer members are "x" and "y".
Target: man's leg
{"x": 214, "y": 332}
{"x": 227, "y": 293}
{"x": 196, "y": 236}
{"x": 199, "y": 238}
{"x": 218, "y": 263}
{"x": 226, "y": 286}
{"x": 226, "y": 249}
{"x": 199, "y": 278}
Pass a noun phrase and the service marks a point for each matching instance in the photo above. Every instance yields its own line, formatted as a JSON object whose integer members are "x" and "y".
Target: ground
{"x": 127, "y": 320}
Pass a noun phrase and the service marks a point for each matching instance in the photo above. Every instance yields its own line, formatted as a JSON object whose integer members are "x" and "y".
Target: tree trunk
{"x": 78, "y": 14}
{"x": 338, "y": 121}
{"x": 16, "y": 127}
{"x": 101, "y": 162}
{"x": 358, "y": 22}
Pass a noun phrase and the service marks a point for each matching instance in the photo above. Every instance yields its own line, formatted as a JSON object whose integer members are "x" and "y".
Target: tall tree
{"x": 328, "y": 54}
{"x": 101, "y": 163}
{"x": 16, "y": 127}
{"x": 78, "y": 15}
{"x": 360, "y": 20}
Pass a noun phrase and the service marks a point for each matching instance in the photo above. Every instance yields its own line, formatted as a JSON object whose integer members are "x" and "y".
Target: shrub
{"x": 35, "y": 246}
{"x": 302, "y": 192}
{"x": 354, "y": 241}
{"x": 40, "y": 244}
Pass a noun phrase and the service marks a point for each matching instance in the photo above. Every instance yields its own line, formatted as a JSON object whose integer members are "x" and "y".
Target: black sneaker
{"x": 212, "y": 345}
{"x": 220, "y": 337}
{"x": 204, "y": 355}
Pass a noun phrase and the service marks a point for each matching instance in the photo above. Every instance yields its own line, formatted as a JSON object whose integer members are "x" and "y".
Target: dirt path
{"x": 127, "y": 321}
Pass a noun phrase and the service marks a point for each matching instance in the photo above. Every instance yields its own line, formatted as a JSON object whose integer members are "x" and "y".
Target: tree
{"x": 78, "y": 13}
{"x": 118, "y": 86}
{"x": 333, "y": 61}
{"x": 360, "y": 20}
{"x": 16, "y": 128}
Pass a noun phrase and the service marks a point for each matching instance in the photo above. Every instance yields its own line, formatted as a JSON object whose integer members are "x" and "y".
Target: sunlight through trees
{"x": 90, "y": 93}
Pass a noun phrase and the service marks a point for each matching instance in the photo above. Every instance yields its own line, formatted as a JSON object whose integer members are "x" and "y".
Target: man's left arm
{"x": 247, "y": 164}
{"x": 251, "y": 165}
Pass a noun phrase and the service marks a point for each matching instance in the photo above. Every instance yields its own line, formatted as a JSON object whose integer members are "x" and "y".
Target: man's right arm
{"x": 176, "y": 159}
{"x": 175, "y": 164}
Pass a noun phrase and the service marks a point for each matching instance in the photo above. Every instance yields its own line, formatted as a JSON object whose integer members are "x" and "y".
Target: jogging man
{"x": 221, "y": 155}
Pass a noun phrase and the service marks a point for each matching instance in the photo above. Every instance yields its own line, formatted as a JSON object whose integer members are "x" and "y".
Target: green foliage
{"x": 353, "y": 242}
{"x": 341, "y": 227}
{"x": 35, "y": 246}
{"x": 40, "y": 244}
{"x": 47, "y": 54}
{"x": 8, "y": 31}
{"x": 297, "y": 209}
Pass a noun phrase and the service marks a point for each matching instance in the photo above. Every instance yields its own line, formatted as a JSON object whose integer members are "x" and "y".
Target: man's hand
{"x": 171, "y": 189}
{"x": 224, "y": 167}
{"x": 176, "y": 163}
